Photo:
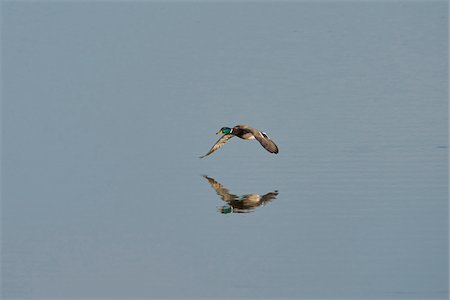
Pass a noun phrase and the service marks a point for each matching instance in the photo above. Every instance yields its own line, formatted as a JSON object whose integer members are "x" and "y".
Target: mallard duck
{"x": 244, "y": 132}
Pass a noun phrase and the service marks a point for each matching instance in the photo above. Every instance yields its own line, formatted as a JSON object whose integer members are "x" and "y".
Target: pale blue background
{"x": 106, "y": 107}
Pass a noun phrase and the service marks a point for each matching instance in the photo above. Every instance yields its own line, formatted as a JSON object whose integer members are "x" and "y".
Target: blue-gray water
{"x": 106, "y": 107}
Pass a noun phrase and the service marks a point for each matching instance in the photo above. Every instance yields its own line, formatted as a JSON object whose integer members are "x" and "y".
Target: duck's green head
{"x": 224, "y": 130}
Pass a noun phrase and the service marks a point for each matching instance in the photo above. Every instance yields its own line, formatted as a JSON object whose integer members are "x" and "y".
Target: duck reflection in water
{"x": 244, "y": 204}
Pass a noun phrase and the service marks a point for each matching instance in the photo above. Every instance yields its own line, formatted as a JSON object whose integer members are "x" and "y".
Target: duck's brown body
{"x": 242, "y": 132}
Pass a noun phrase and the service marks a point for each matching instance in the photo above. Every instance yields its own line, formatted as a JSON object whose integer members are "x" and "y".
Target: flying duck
{"x": 244, "y": 132}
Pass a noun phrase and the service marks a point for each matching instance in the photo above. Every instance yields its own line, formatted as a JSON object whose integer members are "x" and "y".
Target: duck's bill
{"x": 219, "y": 132}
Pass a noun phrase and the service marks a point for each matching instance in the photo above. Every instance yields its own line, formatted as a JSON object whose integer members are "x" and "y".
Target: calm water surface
{"x": 108, "y": 105}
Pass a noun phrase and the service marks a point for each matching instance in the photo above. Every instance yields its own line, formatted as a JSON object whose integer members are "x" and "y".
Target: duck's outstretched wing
{"x": 265, "y": 141}
{"x": 219, "y": 144}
